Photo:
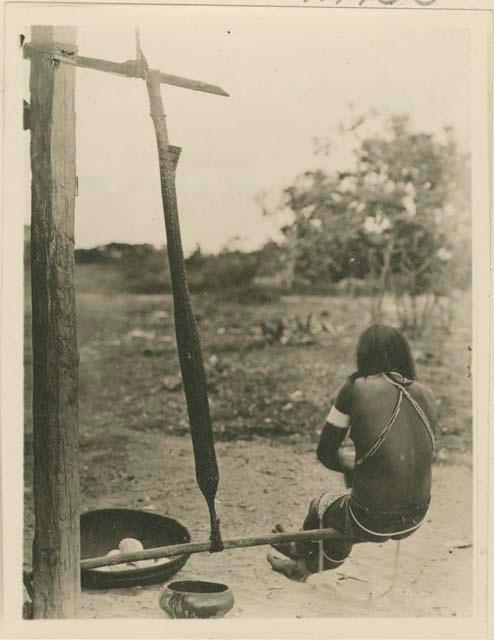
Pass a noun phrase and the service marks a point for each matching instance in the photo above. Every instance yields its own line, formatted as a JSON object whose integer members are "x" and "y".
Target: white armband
{"x": 338, "y": 419}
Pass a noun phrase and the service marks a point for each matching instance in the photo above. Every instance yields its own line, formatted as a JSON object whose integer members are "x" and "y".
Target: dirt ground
{"x": 268, "y": 402}
{"x": 263, "y": 483}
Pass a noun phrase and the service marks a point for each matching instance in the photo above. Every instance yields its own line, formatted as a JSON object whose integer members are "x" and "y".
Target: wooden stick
{"x": 200, "y": 547}
{"x": 187, "y": 335}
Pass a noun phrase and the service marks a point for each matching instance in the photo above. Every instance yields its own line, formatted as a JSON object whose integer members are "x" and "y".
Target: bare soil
{"x": 268, "y": 401}
{"x": 264, "y": 483}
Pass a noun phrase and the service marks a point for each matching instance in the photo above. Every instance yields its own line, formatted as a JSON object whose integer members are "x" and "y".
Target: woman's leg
{"x": 335, "y": 550}
{"x": 302, "y": 548}
{"x": 304, "y": 554}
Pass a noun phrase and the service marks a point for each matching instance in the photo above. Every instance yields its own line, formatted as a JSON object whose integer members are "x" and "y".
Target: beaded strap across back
{"x": 402, "y": 392}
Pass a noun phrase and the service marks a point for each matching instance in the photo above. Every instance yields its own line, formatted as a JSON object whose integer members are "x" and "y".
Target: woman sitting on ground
{"x": 391, "y": 420}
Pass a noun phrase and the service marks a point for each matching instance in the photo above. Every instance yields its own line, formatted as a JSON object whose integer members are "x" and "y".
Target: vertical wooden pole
{"x": 56, "y": 546}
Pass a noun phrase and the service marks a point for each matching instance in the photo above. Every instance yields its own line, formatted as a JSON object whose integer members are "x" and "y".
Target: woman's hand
{"x": 348, "y": 477}
{"x": 346, "y": 467}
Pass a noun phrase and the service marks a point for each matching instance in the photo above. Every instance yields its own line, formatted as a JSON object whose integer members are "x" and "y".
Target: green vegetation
{"x": 395, "y": 221}
{"x": 271, "y": 369}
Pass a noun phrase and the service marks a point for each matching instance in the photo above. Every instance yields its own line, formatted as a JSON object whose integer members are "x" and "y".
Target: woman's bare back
{"x": 398, "y": 475}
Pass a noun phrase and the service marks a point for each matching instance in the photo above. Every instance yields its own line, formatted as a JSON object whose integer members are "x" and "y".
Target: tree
{"x": 387, "y": 219}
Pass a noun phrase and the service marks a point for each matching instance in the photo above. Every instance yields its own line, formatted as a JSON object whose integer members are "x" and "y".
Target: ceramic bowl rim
{"x": 218, "y": 587}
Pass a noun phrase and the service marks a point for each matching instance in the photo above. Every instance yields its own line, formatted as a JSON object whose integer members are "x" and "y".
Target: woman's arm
{"x": 328, "y": 447}
{"x": 334, "y": 432}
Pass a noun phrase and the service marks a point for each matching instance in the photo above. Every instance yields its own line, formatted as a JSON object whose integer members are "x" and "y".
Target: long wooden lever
{"x": 199, "y": 547}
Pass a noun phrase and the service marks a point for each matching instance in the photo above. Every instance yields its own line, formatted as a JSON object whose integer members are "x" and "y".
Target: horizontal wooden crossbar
{"x": 200, "y": 547}
{"x": 129, "y": 69}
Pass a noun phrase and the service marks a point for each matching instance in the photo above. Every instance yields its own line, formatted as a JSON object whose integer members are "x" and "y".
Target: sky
{"x": 291, "y": 74}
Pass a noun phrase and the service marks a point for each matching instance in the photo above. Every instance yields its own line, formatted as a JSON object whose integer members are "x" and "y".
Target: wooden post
{"x": 56, "y": 546}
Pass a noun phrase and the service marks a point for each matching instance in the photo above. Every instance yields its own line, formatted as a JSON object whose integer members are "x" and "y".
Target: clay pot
{"x": 196, "y": 599}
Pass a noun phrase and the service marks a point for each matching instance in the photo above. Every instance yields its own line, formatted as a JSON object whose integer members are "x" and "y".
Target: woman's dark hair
{"x": 383, "y": 349}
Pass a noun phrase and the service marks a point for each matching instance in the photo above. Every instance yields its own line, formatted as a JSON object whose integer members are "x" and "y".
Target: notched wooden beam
{"x": 129, "y": 69}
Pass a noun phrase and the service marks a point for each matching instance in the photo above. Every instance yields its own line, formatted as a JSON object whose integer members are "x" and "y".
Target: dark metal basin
{"x": 102, "y": 530}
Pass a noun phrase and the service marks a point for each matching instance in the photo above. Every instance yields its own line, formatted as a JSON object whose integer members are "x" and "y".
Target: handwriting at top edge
{"x": 389, "y": 3}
